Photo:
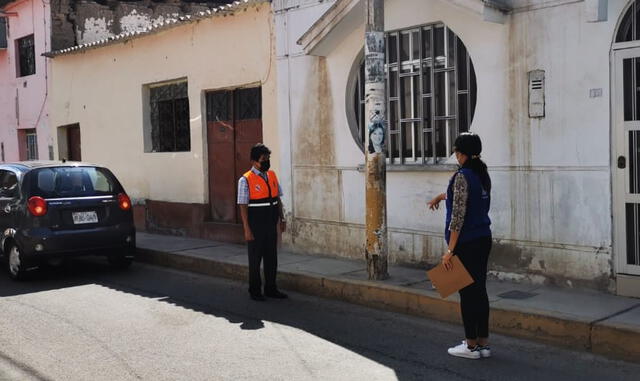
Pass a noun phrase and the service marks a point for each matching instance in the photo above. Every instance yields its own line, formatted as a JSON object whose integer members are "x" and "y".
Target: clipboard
{"x": 448, "y": 282}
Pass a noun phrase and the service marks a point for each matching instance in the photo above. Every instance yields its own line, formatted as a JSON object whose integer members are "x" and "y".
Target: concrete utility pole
{"x": 376, "y": 250}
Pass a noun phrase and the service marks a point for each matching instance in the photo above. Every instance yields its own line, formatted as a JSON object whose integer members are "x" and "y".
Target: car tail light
{"x": 124, "y": 201}
{"x": 37, "y": 206}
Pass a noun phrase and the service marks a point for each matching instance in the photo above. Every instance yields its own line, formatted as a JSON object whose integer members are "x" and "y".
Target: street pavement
{"x": 85, "y": 321}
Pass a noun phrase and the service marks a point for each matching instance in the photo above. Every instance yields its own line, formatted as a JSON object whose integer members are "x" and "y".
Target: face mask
{"x": 265, "y": 165}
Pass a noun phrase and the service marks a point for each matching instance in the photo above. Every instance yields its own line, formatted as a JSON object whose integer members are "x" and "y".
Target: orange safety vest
{"x": 262, "y": 193}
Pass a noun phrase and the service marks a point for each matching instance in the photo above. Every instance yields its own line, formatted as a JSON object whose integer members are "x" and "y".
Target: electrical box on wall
{"x": 536, "y": 94}
{"x": 596, "y": 10}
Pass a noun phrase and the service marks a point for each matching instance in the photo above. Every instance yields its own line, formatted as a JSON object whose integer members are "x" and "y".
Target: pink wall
{"x": 34, "y": 17}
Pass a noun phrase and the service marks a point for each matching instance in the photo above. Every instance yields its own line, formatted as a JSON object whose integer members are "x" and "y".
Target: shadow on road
{"x": 413, "y": 348}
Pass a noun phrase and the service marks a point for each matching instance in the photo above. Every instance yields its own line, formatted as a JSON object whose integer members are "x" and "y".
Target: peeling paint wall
{"x": 78, "y": 22}
{"x": 551, "y": 204}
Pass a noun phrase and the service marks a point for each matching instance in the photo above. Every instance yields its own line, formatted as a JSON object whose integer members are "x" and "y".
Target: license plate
{"x": 84, "y": 217}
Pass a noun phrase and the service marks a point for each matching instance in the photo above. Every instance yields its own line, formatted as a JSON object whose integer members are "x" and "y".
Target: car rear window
{"x": 57, "y": 182}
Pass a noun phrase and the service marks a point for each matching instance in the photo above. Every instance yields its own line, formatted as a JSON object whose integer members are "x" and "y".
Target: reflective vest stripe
{"x": 264, "y": 204}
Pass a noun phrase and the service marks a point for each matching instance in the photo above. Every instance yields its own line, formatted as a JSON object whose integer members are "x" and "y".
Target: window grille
{"x": 629, "y": 29}
{"x": 3, "y": 32}
{"x": 169, "y": 108}
{"x": 431, "y": 94}
{"x": 32, "y": 145}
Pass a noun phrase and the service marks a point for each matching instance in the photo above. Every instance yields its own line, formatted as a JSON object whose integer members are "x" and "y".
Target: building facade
{"x": 29, "y": 28}
{"x": 548, "y": 85}
{"x": 25, "y": 27}
{"x": 173, "y": 110}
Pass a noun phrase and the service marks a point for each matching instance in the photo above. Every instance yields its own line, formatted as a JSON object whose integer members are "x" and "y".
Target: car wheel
{"x": 120, "y": 261}
{"x": 15, "y": 265}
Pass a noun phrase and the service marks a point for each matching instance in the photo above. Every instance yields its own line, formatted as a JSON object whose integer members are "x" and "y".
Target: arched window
{"x": 431, "y": 94}
{"x": 629, "y": 29}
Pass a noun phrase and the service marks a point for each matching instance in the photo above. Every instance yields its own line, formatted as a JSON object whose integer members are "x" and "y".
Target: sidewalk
{"x": 583, "y": 319}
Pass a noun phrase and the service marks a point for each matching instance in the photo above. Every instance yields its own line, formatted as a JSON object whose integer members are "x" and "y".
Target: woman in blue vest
{"x": 468, "y": 235}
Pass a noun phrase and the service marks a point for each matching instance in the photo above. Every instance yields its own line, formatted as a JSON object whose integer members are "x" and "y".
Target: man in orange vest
{"x": 261, "y": 210}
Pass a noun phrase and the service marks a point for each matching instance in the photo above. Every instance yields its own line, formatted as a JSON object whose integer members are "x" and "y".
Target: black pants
{"x": 263, "y": 247}
{"x": 474, "y": 302}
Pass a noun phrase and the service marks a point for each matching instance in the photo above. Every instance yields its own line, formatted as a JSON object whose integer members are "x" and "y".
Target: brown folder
{"x": 448, "y": 282}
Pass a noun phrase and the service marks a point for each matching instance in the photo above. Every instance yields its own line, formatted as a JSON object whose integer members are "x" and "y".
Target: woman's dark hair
{"x": 376, "y": 127}
{"x": 258, "y": 150}
{"x": 470, "y": 144}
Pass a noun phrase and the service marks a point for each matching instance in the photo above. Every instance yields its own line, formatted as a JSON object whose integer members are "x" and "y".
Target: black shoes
{"x": 276, "y": 294}
{"x": 258, "y": 297}
{"x": 272, "y": 294}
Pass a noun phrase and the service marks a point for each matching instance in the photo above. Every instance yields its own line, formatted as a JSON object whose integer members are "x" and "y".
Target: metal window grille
{"x": 169, "y": 108}
{"x": 431, "y": 94}
{"x": 3, "y": 32}
{"x": 32, "y": 145}
{"x": 26, "y": 56}
{"x": 629, "y": 29}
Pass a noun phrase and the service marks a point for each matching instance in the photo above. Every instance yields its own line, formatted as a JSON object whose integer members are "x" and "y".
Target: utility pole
{"x": 376, "y": 250}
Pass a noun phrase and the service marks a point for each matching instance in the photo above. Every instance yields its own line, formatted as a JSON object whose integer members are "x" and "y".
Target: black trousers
{"x": 474, "y": 302}
{"x": 263, "y": 248}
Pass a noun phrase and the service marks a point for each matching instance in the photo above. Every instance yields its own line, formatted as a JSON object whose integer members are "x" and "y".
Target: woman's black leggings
{"x": 474, "y": 302}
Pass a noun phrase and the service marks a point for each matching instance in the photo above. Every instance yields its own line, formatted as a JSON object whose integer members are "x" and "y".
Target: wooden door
{"x": 73, "y": 143}
{"x": 248, "y": 127}
{"x": 234, "y": 125}
{"x": 220, "y": 139}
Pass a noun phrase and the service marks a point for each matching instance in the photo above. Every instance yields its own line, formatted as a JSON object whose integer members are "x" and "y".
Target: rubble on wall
{"x": 76, "y": 22}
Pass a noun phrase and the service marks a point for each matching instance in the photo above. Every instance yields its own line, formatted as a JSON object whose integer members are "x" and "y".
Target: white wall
{"x": 551, "y": 197}
{"x": 102, "y": 90}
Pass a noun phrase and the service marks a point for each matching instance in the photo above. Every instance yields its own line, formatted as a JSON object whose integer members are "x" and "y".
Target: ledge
{"x": 417, "y": 168}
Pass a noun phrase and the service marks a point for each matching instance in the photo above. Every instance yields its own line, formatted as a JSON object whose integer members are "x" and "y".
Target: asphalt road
{"x": 87, "y": 322}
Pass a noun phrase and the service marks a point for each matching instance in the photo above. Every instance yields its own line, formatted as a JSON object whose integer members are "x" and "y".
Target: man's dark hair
{"x": 258, "y": 150}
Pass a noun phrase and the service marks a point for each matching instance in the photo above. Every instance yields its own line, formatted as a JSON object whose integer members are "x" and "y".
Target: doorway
{"x": 625, "y": 150}
{"x": 626, "y": 171}
{"x": 70, "y": 143}
{"x": 73, "y": 143}
{"x": 234, "y": 125}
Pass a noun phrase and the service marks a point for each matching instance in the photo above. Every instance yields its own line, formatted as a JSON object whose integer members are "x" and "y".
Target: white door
{"x": 626, "y": 159}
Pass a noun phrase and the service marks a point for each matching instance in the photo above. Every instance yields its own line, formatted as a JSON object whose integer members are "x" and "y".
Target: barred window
{"x": 169, "y": 108}
{"x": 431, "y": 95}
{"x": 32, "y": 144}
{"x": 629, "y": 29}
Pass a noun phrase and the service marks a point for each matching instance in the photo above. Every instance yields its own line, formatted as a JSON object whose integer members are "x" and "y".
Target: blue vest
{"x": 476, "y": 220}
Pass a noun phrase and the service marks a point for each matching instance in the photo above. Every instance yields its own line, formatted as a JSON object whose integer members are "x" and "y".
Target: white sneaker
{"x": 463, "y": 350}
{"x": 485, "y": 351}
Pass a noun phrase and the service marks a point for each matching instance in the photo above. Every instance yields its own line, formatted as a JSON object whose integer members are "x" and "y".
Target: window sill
{"x": 416, "y": 168}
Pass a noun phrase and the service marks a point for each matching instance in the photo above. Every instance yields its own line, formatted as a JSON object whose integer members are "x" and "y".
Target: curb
{"x": 621, "y": 343}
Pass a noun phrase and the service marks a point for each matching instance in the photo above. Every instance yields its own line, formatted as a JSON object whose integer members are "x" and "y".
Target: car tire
{"x": 15, "y": 265}
{"x": 120, "y": 261}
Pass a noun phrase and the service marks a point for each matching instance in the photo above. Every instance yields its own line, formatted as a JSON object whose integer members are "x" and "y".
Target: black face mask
{"x": 265, "y": 165}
